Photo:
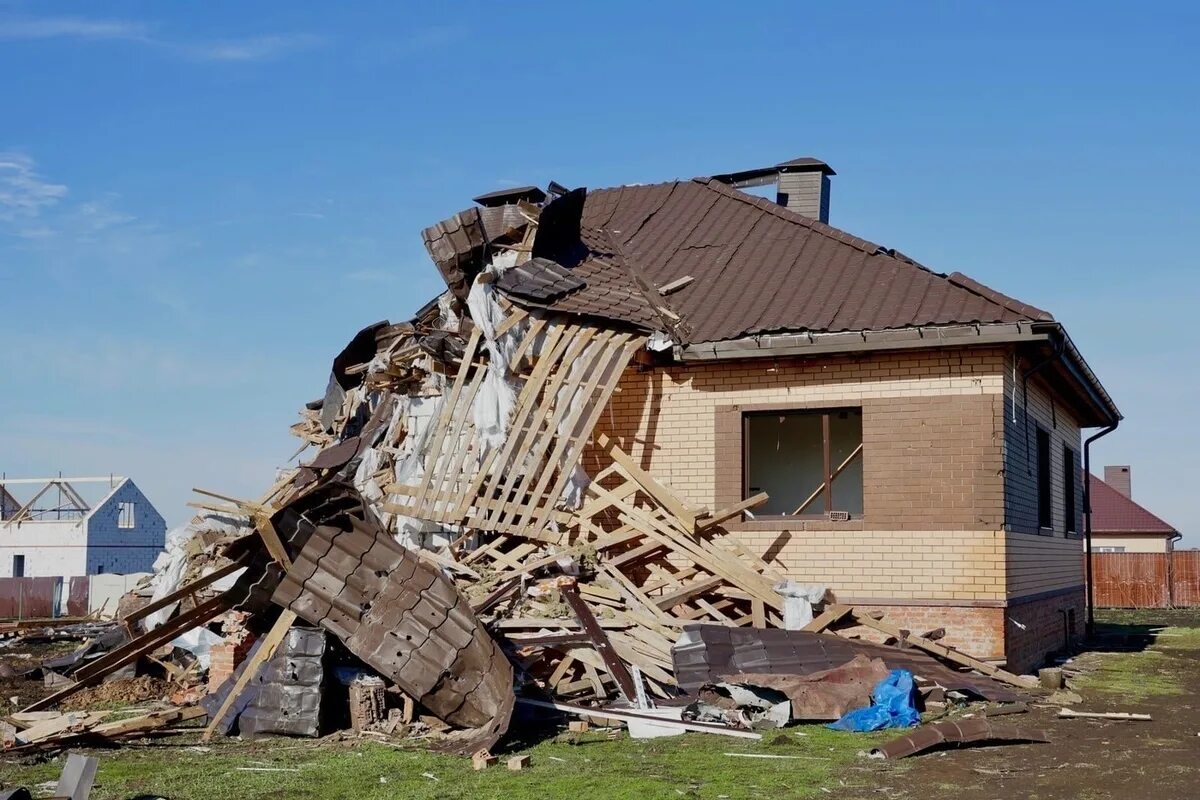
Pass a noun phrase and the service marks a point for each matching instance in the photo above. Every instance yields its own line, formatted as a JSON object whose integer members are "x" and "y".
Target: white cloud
{"x": 245, "y": 49}
{"x": 255, "y": 48}
{"x": 24, "y": 194}
{"x": 71, "y": 28}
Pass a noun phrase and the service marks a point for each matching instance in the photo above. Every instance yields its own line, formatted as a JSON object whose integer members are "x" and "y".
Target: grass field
{"x": 690, "y": 766}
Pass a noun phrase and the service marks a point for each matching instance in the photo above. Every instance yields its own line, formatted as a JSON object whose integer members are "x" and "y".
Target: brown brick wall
{"x": 1037, "y": 628}
{"x": 933, "y": 490}
{"x": 978, "y": 631}
{"x": 931, "y": 547}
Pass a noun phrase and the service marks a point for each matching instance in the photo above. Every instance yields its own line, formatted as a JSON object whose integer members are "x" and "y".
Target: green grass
{"x": 1156, "y": 671}
{"x": 691, "y": 766}
{"x": 1133, "y": 676}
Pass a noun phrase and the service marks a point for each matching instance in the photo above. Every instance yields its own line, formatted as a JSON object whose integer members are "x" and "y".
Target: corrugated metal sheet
{"x": 709, "y": 653}
{"x": 760, "y": 268}
{"x": 395, "y": 612}
{"x": 540, "y": 280}
{"x": 29, "y": 598}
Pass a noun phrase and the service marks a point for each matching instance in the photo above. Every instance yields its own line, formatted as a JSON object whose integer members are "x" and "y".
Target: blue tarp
{"x": 891, "y": 706}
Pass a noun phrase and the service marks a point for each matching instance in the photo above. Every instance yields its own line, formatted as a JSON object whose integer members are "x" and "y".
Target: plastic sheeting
{"x": 497, "y": 395}
{"x": 171, "y": 564}
{"x": 798, "y": 601}
{"x": 199, "y": 642}
{"x": 891, "y": 706}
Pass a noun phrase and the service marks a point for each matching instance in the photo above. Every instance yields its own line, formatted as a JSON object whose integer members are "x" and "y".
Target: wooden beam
{"x": 830, "y": 616}
{"x": 732, "y": 511}
{"x": 180, "y": 593}
{"x": 665, "y": 497}
{"x": 947, "y": 653}
{"x": 129, "y": 652}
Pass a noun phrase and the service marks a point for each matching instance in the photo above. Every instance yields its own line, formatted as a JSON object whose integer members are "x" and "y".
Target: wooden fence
{"x": 1147, "y": 580}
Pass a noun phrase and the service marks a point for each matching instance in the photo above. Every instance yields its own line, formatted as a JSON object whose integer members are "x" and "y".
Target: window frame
{"x": 1044, "y": 480}
{"x": 831, "y": 473}
{"x": 18, "y": 558}
{"x": 126, "y": 513}
{"x": 1070, "y": 506}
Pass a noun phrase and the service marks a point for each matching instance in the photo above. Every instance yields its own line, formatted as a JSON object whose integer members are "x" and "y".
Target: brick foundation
{"x": 977, "y": 631}
{"x": 1047, "y": 627}
{"x": 994, "y": 633}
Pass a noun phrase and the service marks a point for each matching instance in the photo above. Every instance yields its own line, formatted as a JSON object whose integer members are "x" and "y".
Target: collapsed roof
{"x": 728, "y": 275}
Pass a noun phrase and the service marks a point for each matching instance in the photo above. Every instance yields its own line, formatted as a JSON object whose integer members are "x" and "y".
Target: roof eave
{"x": 813, "y": 344}
{"x": 1081, "y": 376}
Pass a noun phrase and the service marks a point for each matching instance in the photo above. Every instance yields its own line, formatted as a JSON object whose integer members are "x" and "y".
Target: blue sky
{"x": 200, "y": 203}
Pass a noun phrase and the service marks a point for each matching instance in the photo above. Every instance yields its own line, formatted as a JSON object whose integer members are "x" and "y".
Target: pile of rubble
{"x": 442, "y": 558}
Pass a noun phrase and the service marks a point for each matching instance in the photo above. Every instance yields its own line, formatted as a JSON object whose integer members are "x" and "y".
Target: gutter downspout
{"x": 1087, "y": 521}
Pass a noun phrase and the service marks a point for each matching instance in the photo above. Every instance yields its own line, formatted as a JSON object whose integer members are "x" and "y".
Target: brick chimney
{"x": 804, "y": 187}
{"x": 801, "y": 184}
{"x": 1119, "y": 478}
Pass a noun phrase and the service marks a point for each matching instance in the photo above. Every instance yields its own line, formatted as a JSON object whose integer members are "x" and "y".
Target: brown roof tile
{"x": 760, "y": 268}
{"x": 1113, "y": 512}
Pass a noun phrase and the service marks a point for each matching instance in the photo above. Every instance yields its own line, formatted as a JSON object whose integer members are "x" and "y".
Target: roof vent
{"x": 802, "y": 184}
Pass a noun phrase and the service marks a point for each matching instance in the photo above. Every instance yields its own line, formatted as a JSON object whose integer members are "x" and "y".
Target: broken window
{"x": 1044, "y": 494}
{"x": 1069, "y": 489}
{"x": 125, "y": 517}
{"x": 809, "y": 462}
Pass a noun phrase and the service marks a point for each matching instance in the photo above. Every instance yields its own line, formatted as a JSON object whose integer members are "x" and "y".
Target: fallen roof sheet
{"x": 709, "y": 653}
{"x": 402, "y": 617}
{"x": 965, "y": 731}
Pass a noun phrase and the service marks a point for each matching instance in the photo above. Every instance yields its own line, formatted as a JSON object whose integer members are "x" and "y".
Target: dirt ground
{"x": 117, "y": 694}
{"x": 19, "y": 659}
{"x": 1144, "y": 662}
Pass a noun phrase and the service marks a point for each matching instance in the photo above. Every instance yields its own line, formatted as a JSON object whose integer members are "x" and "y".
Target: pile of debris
{"x": 443, "y": 552}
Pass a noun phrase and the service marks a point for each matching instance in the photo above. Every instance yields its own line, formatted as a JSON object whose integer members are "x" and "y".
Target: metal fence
{"x": 50, "y": 598}
{"x": 1147, "y": 580}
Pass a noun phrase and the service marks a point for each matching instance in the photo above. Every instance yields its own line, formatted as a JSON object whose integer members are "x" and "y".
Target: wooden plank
{"x": 1070, "y": 713}
{"x": 830, "y": 616}
{"x": 182, "y": 592}
{"x": 129, "y": 652}
{"x": 543, "y": 427}
{"x": 598, "y": 403}
{"x": 448, "y": 412}
{"x": 732, "y": 569}
{"x": 591, "y": 626}
{"x": 577, "y": 404}
{"x": 274, "y": 545}
{"x": 446, "y": 480}
{"x": 535, "y": 328}
{"x": 664, "y": 496}
{"x": 514, "y": 317}
{"x": 732, "y": 511}
{"x": 265, "y": 650}
{"x": 558, "y": 338}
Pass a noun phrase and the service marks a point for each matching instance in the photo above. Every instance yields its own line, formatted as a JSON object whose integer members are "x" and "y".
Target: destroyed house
{"x": 643, "y": 430}
{"x": 918, "y": 434}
